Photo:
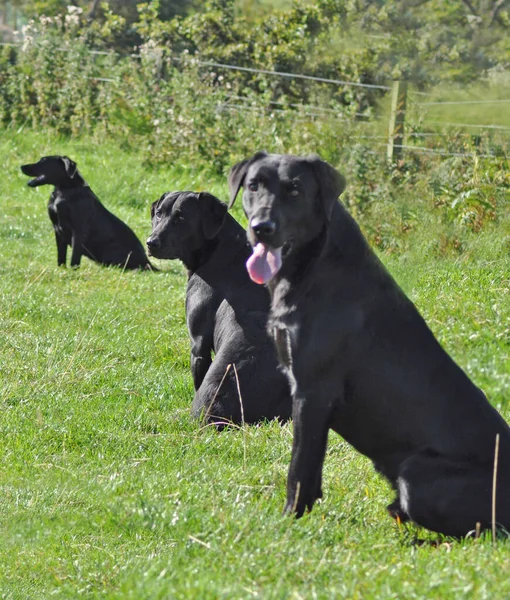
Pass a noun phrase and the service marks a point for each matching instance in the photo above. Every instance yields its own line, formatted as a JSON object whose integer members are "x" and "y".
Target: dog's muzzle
{"x": 264, "y": 230}
{"x": 153, "y": 244}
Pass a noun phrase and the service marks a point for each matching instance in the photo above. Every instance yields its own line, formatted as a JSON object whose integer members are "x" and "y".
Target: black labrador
{"x": 81, "y": 221}
{"x": 360, "y": 358}
{"x": 226, "y": 313}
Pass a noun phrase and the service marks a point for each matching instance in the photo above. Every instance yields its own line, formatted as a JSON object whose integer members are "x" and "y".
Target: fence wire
{"x": 303, "y": 112}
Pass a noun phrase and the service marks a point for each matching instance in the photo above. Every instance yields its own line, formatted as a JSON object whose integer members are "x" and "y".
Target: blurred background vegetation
{"x": 204, "y": 84}
{"x": 421, "y": 40}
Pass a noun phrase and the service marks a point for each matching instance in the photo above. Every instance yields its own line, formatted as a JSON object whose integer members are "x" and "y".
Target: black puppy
{"x": 360, "y": 358}
{"x": 226, "y": 313}
{"x": 81, "y": 221}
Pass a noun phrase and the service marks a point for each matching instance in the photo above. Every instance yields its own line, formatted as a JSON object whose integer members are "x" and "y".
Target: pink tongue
{"x": 264, "y": 263}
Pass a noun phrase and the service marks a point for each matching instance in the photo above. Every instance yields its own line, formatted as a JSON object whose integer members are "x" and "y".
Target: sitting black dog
{"x": 362, "y": 360}
{"x": 226, "y": 313}
{"x": 81, "y": 221}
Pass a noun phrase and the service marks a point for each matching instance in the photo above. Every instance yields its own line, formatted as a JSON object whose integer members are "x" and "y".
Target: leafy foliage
{"x": 96, "y": 9}
{"x": 164, "y": 102}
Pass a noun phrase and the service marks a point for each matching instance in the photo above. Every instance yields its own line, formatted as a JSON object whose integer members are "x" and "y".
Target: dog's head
{"x": 288, "y": 201}
{"x": 183, "y": 223}
{"x": 59, "y": 171}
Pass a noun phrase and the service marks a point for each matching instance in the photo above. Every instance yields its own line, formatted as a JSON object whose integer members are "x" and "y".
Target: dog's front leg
{"x": 61, "y": 250}
{"x": 311, "y": 415}
{"x": 77, "y": 251}
{"x": 200, "y": 318}
{"x": 200, "y": 362}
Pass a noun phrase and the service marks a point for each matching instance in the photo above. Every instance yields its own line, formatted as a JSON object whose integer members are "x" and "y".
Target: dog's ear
{"x": 238, "y": 173}
{"x": 331, "y": 183}
{"x": 213, "y": 214}
{"x": 70, "y": 166}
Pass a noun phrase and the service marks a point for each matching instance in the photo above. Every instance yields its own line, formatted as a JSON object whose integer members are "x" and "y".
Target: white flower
{"x": 27, "y": 29}
{"x": 27, "y": 42}
{"x": 72, "y": 20}
{"x": 75, "y": 10}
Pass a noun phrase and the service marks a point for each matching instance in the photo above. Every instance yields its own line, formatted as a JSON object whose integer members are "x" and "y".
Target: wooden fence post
{"x": 397, "y": 120}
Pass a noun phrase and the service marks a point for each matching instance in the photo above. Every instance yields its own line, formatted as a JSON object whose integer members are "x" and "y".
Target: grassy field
{"x": 110, "y": 490}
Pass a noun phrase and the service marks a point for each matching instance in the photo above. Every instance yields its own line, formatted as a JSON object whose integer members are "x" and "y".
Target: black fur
{"x": 362, "y": 361}
{"x": 81, "y": 221}
{"x": 226, "y": 313}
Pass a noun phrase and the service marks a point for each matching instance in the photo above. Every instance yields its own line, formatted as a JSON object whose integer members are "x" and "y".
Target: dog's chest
{"x": 201, "y": 306}
{"x": 282, "y": 336}
{"x": 309, "y": 328}
{"x": 57, "y": 214}
{"x": 59, "y": 206}
{"x": 282, "y": 324}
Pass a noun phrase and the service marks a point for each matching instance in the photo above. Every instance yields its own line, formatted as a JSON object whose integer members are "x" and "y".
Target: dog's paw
{"x": 294, "y": 509}
{"x": 299, "y": 504}
{"x": 396, "y": 511}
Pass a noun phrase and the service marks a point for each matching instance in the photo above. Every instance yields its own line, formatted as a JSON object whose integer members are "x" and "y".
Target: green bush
{"x": 178, "y": 112}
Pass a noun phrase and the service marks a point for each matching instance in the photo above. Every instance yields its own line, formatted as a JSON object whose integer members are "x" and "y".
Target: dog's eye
{"x": 253, "y": 186}
{"x": 157, "y": 214}
{"x": 293, "y": 188}
{"x": 177, "y": 218}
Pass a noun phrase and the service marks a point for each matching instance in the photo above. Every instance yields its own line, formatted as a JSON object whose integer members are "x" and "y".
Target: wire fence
{"x": 434, "y": 130}
{"x": 210, "y": 63}
{"x": 462, "y": 102}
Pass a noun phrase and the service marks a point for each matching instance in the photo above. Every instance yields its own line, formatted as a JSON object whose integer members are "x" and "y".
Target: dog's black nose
{"x": 263, "y": 229}
{"x": 153, "y": 242}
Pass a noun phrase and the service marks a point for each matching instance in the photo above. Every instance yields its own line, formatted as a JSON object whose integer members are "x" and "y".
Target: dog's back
{"x": 113, "y": 242}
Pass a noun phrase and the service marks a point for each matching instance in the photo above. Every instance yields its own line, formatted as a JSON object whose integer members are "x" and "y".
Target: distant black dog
{"x": 226, "y": 313}
{"x": 81, "y": 221}
{"x": 361, "y": 359}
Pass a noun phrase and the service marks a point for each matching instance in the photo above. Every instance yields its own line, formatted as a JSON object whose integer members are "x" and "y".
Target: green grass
{"x": 478, "y": 104}
{"x": 110, "y": 490}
